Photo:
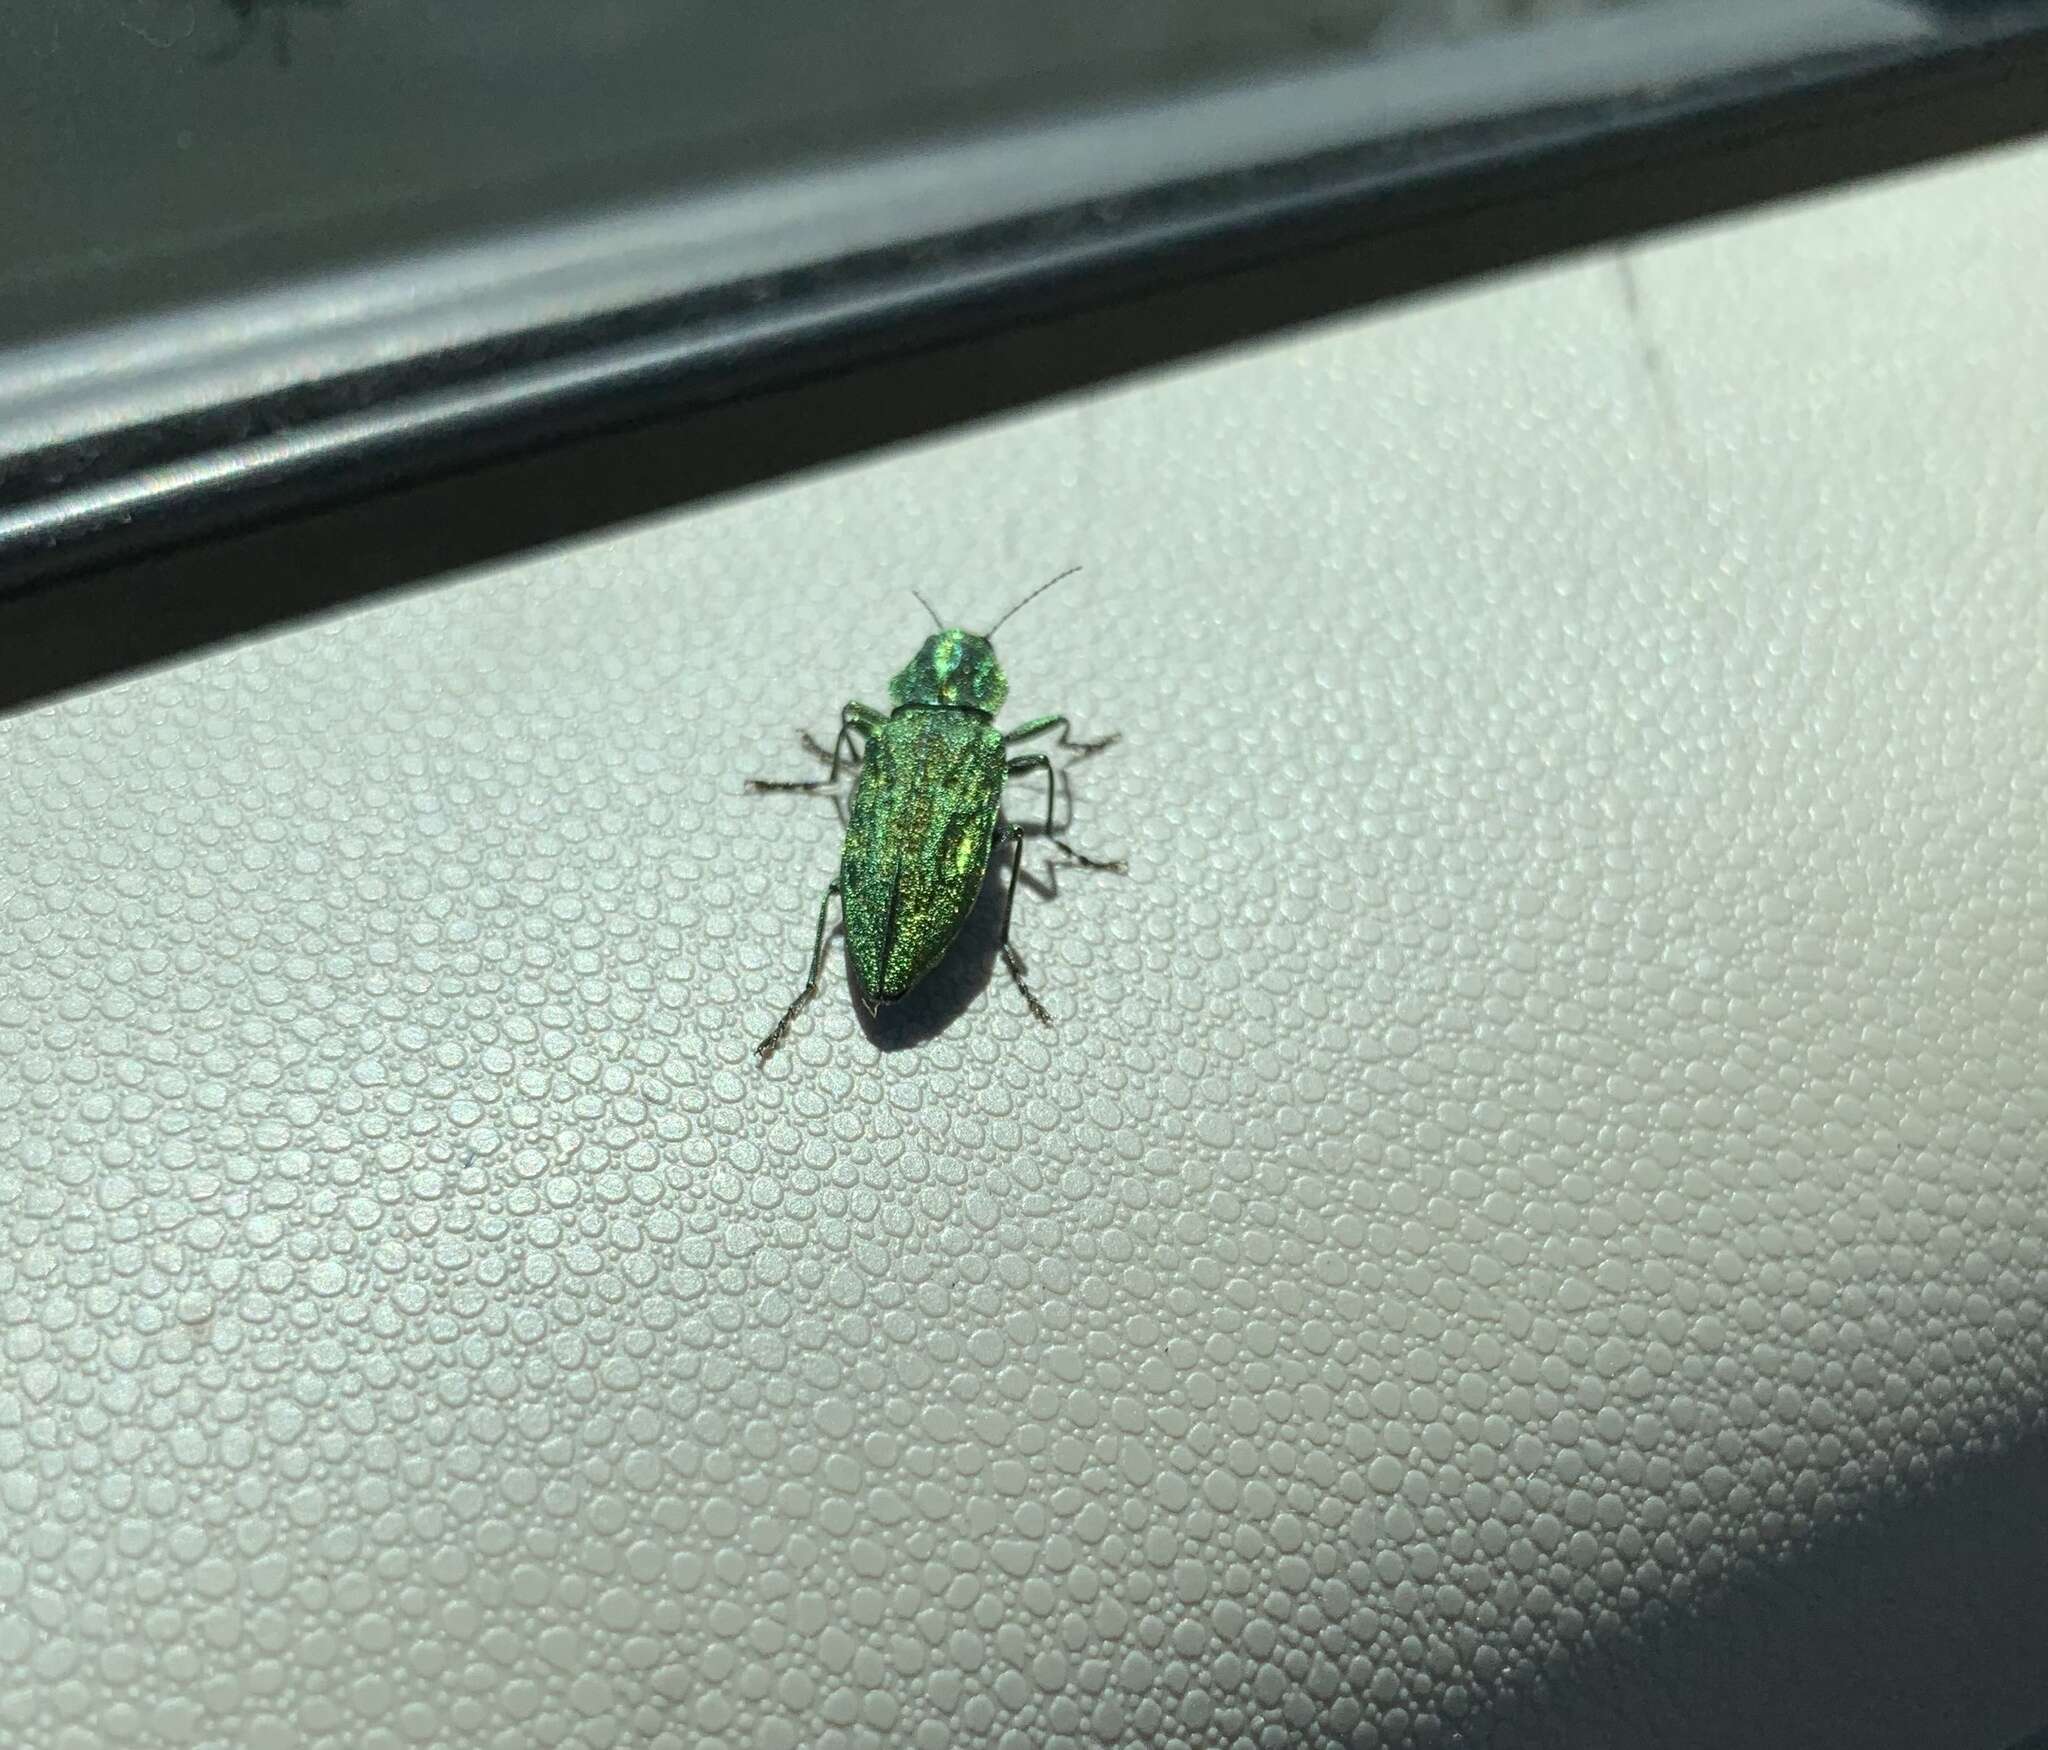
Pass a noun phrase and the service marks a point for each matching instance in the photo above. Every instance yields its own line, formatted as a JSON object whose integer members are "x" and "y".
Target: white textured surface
{"x": 1554, "y": 1118}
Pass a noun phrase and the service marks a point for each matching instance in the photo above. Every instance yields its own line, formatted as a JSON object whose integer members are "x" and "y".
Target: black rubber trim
{"x": 245, "y": 514}
{"x": 664, "y": 285}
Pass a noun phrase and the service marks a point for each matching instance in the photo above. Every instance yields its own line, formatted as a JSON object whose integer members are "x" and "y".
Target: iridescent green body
{"x": 917, "y": 841}
{"x": 925, "y": 818}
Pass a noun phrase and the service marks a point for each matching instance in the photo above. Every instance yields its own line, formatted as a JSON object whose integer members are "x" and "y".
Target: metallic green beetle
{"x": 924, "y": 816}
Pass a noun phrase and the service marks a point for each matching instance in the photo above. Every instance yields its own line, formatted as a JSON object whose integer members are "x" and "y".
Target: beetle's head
{"x": 952, "y": 668}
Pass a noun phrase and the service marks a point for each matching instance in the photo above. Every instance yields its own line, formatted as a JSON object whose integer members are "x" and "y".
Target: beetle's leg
{"x": 1040, "y": 725}
{"x": 855, "y": 719}
{"x": 816, "y": 748}
{"x": 773, "y": 1043}
{"x": 1013, "y": 962}
{"x": 1038, "y": 762}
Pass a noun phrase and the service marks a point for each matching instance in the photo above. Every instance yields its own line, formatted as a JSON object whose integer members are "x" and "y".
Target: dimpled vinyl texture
{"x": 1530, "y": 1227}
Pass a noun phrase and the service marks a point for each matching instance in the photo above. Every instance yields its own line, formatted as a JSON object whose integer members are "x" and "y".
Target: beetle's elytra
{"x": 924, "y": 817}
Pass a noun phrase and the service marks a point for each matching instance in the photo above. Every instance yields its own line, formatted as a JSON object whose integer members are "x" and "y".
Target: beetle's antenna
{"x": 1032, "y": 597}
{"x": 928, "y": 608}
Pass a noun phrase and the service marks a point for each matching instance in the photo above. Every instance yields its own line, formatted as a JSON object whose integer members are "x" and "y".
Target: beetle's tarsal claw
{"x": 777, "y": 1039}
{"x": 1013, "y": 963}
{"x": 1108, "y": 866}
